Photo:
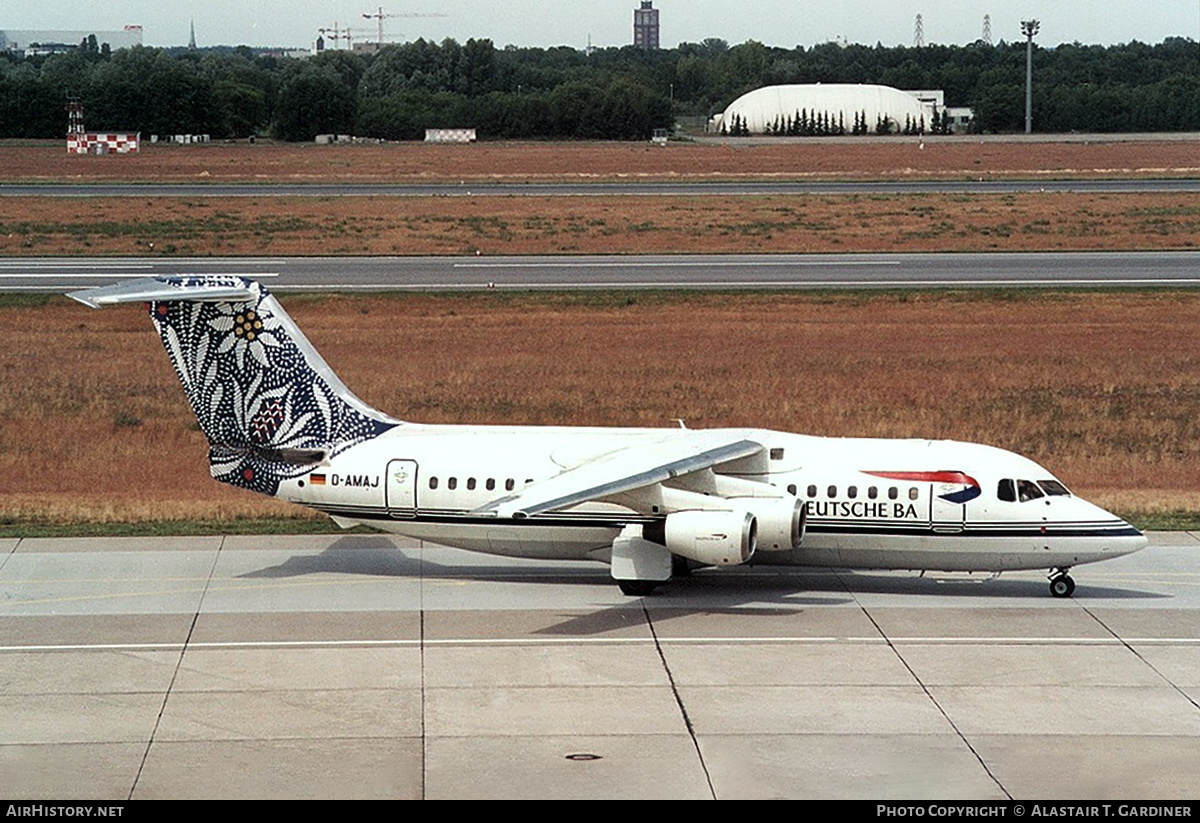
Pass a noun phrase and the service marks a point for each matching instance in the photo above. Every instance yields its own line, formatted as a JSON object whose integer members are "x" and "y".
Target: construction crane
{"x": 380, "y": 16}
{"x": 338, "y": 34}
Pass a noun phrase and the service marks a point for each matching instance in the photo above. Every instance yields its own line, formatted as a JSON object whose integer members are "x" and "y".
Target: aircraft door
{"x": 946, "y": 517}
{"x": 401, "y": 497}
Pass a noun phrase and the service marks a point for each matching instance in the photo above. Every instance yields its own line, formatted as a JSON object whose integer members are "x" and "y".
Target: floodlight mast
{"x": 1029, "y": 28}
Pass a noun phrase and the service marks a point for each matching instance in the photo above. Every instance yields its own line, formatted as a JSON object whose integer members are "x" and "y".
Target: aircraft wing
{"x": 624, "y": 470}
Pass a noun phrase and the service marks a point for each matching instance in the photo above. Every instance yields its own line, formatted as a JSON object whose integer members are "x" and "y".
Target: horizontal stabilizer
{"x": 146, "y": 290}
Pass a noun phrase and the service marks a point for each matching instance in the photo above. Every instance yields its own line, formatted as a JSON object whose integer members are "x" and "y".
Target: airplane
{"x": 651, "y": 502}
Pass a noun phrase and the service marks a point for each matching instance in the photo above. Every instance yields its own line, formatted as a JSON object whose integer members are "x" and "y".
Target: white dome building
{"x": 760, "y": 110}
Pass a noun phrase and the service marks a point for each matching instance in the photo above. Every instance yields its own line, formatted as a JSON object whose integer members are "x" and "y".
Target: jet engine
{"x": 714, "y": 538}
{"x": 780, "y": 522}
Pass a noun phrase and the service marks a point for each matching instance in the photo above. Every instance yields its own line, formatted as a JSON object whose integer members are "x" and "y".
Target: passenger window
{"x": 452, "y": 483}
{"x": 832, "y": 491}
{"x": 913, "y": 493}
{"x": 471, "y": 483}
{"x": 812, "y": 491}
{"x": 792, "y": 489}
{"x": 1054, "y": 488}
{"x": 1006, "y": 491}
{"x": 508, "y": 484}
{"x": 491, "y": 483}
{"x": 893, "y": 493}
{"x": 433, "y": 482}
{"x": 872, "y": 492}
{"x": 852, "y": 492}
{"x": 1028, "y": 490}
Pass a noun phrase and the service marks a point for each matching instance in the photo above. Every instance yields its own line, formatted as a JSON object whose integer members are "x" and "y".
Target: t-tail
{"x": 269, "y": 404}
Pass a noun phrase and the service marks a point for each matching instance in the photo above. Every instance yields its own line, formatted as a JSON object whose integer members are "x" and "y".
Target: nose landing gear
{"x": 1061, "y": 584}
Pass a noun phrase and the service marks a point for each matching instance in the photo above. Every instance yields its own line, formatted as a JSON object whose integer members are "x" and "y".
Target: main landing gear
{"x": 1061, "y": 584}
{"x": 638, "y": 588}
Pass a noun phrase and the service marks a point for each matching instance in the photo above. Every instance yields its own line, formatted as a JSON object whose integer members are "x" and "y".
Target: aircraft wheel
{"x": 1062, "y": 586}
{"x": 638, "y": 588}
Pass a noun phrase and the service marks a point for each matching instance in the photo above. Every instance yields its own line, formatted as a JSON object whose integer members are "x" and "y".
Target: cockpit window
{"x": 1054, "y": 488}
{"x": 1007, "y": 491}
{"x": 1028, "y": 490}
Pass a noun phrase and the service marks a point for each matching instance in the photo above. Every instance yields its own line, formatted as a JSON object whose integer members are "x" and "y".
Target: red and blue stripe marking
{"x": 970, "y": 491}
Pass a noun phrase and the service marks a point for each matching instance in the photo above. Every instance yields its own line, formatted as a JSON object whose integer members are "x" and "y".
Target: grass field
{"x": 958, "y": 157}
{"x": 1102, "y": 388}
{"x": 155, "y": 226}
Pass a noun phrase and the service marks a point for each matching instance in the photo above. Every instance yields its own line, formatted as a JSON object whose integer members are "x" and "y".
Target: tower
{"x": 645, "y": 26}
{"x": 74, "y": 116}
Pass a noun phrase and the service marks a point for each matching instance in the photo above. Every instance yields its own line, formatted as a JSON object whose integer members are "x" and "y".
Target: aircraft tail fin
{"x": 269, "y": 405}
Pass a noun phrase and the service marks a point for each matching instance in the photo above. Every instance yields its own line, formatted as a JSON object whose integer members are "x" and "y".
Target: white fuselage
{"x": 869, "y": 503}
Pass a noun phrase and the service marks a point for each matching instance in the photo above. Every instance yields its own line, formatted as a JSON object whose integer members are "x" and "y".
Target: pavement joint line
{"x": 687, "y": 720}
{"x": 1179, "y": 690}
{"x": 162, "y": 708}
{"x": 936, "y": 704}
{"x": 11, "y": 552}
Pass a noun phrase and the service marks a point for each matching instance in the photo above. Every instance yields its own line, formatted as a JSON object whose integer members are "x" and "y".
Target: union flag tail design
{"x": 268, "y": 403}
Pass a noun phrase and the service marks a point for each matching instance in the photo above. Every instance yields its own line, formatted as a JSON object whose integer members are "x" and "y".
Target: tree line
{"x": 610, "y": 93}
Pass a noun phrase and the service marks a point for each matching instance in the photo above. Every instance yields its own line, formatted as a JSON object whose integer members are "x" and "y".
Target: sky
{"x": 294, "y": 23}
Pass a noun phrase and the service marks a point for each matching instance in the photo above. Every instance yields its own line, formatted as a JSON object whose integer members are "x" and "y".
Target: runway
{"x": 368, "y": 666}
{"x": 663, "y": 188}
{"x": 747, "y": 271}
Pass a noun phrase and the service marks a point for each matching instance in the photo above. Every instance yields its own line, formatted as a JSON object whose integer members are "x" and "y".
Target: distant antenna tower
{"x": 919, "y": 33}
{"x": 74, "y": 116}
{"x": 987, "y": 29}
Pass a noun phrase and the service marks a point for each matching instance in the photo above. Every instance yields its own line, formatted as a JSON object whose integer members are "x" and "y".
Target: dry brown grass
{"x": 1104, "y": 389}
{"x": 904, "y": 158}
{"x": 593, "y": 225}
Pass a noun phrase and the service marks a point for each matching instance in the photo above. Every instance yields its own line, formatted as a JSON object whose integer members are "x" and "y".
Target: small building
{"x": 961, "y": 118}
{"x": 449, "y": 135}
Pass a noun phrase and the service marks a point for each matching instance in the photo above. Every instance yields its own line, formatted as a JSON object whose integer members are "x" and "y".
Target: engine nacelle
{"x": 714, "y": 538}
{"x": 780, "y": 522}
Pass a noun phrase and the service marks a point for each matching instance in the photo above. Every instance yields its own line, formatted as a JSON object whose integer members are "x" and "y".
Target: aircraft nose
{"x": 1125, "y": 534}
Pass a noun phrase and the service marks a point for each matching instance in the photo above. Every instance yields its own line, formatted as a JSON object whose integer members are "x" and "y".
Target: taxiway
{"x": 371, "y": 666}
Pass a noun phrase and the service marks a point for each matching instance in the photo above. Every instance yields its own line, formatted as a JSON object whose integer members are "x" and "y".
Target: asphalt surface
{"x": 366, "y": 666}
{"x": 784, "y": 271}
{"x": 593, "y": 189}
